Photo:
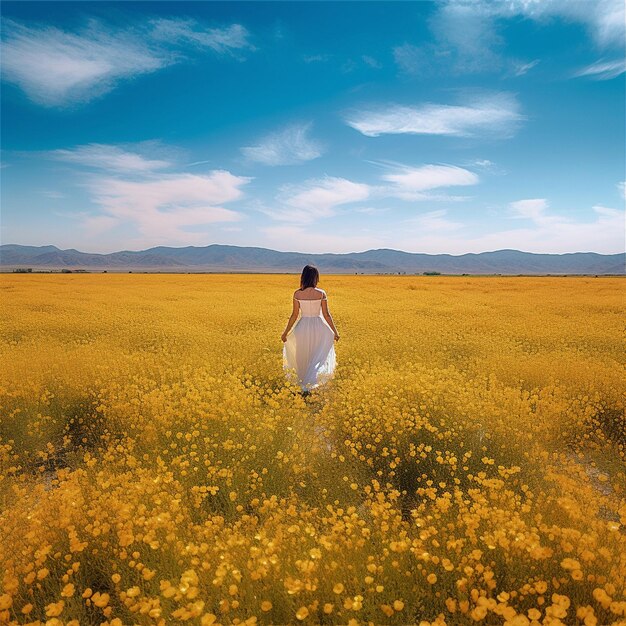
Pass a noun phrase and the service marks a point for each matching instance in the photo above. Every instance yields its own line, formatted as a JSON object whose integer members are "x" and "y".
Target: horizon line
{"x": 311, "y": 253}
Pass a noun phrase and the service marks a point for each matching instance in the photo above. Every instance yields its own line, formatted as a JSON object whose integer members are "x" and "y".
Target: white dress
{"x": 309, "y": 352}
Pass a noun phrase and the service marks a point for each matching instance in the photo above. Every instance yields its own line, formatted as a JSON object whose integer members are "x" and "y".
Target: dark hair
{"x": 310, "y": 277}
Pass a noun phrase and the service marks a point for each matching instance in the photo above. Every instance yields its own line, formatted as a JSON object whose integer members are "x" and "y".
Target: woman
{"x": 309, "y": 349}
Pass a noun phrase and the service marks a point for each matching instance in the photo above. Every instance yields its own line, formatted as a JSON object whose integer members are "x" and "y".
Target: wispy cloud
{"x": 229, "y": 39}
{"x": 59, "y": 68}
{"x": 542, "y": 232}
{"x": 411, "y": 183}
{"x": 425, "y": 60}
{"x": 434, "y": 232}
{"x": 319, "y": 198}
{"x": 133, "y": 191}
{"x": 162, "y": 209}
{"x": 316, "y": 198}
{"x": 53, "y": 195}
{"x": 344, "y": 65}
{"x": 110, "y": 157}
{"x": 565, "y": 233}
{"x": 603, "y": 70}
{"x": 467, "y": 33}
{"x": 496, "y": 114}
{"x": 371, "y": 210}
{"x": 316, "y": 58}
{"x": 604, "y": 234}
{"x": 467, "y": 37}
{"x": 534, "y": 209}
{"x": 372, "y": 62}
{"x": 519, "y": 68}
{"x": 433, "y": 222}
{"x": 622, "y": 188}
{"x": 485, "y": 165}
{"x": 288, "y": 146}
{"x": 604, "y": 19}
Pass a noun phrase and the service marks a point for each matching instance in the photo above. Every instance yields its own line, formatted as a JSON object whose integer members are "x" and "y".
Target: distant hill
{"x": 219, "y": 258}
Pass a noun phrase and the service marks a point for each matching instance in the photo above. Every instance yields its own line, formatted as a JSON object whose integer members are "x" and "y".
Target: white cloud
{"x": 433, "y": 232}
{"x": 622, "y": 189}
{"x": 54, "y": 67}
{"x": 316, "y": 58}
{"x": 53, "y": 195}
{"x": 408, "y": 57}
{"x": 181, "y": 30}
{"x": 109, "y": 157}
{"x": 316, "y": 198}
{"x": 496, "y": 114}
{"x": 485, "y": 165}
{"x": 288, "y": 146}
{"x": 161, "y": 208}
{"x": 533, "y": 209}
{"x": 370, "y": 210}
{"x": 467, "y": 38}
{"x": 432, "y": 222}
{"x": 603, "y": 70}
{"x": 548, "y": 234}
{"x": 558, "y": 233}
{"x": 466, "y": 31}
{"x": 57, "y": 68}
{"x": 410, "y": 183}
{"x": 604, "y": 19}
{"x": 319, "y": 198}
{"x": 372, "y": 62}
{"x": 520, "y": 67}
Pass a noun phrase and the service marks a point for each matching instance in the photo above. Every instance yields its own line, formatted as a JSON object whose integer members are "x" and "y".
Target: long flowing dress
{"x": 309, "y": 353}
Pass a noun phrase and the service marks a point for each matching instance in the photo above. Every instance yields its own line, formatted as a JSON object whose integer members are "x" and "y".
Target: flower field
{"x": 466, "y": 465}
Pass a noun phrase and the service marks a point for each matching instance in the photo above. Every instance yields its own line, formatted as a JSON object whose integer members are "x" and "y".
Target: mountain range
{"x": 223, "y": 258}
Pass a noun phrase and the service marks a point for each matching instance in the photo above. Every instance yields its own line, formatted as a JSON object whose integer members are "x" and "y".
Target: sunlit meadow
{"x": 466, "y": 465}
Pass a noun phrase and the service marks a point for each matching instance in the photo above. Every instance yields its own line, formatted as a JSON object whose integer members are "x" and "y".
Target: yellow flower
{"x": 68, "y": 590}
{"x": 42, "y": 573}
{"x": 6, "y": 601}
{"x": 302, "y": 613}
{"x": 55, "y": 608}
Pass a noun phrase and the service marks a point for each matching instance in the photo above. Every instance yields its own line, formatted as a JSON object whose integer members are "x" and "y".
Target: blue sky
{"x": 441, "y": 127}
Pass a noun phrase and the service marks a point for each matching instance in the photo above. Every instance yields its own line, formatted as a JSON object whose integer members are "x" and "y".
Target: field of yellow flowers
{"x": 466, "y": 465}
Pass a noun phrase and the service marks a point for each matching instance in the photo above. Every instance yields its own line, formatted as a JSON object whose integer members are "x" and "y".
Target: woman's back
{"x": 310, "y": 301}
{"x": 310, "y": 293}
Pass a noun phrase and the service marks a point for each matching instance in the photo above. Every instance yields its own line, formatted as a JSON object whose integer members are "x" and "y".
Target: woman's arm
{"x": 328, "y": 317}
{"x": 292, "y": 319}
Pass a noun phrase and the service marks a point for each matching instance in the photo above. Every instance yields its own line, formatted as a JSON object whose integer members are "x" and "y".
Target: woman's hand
{"x": 284, "y": 337}
{"x": 336, "y": 336}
